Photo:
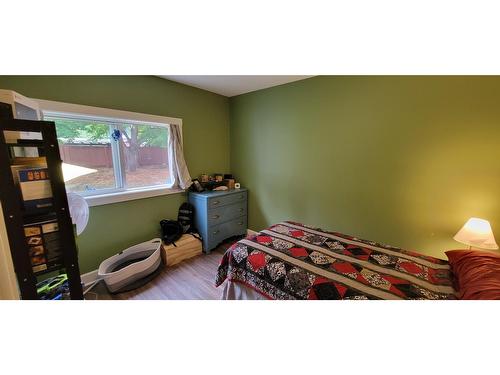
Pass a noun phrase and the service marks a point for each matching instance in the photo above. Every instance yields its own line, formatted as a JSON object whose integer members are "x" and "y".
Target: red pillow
{"x": 477, "y": 273}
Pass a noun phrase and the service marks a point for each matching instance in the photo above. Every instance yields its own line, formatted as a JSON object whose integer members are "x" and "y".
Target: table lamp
{"x": 477, "y": 232}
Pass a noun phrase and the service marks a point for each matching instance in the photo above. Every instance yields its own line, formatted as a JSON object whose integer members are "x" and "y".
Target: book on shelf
{"x": 44, "y": 243}
{"x": 34, "y": 183}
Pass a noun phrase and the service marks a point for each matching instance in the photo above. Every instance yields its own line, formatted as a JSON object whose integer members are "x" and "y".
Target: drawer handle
{"x": 215, "y": 217}
{"x": 215, "y": 231}
{"x": 215, "y": 202}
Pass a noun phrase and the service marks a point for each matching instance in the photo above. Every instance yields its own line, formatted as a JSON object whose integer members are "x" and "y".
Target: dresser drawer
{"x": 222, "y": 231}
{"x": 226, "y": 213}
{"x": 215, "y": 202}
{"x": 219, "y": 215}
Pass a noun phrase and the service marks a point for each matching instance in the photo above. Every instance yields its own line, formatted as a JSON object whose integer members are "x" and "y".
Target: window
{"x": 104, "y": 156}
{"x": 107, "y": 156}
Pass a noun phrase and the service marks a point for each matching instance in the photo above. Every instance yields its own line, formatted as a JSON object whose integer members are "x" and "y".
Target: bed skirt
{"x": 238, "y": 291}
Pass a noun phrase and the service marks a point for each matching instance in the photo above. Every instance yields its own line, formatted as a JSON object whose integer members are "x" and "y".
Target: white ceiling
{"x": 234, "y": 85}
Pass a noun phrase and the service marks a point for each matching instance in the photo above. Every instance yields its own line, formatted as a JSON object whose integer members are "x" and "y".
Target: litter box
{"x": 131, "y": 268}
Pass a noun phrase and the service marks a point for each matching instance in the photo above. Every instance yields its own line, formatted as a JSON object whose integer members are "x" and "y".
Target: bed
{"x": 290, "y": 260}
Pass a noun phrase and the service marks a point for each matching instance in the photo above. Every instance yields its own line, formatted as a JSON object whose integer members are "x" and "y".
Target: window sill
{"x": 129, "y": 195}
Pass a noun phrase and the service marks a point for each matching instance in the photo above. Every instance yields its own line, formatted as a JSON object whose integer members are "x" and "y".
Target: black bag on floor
{"x": 171, "y": 231}
{"x": 186, "y": 217}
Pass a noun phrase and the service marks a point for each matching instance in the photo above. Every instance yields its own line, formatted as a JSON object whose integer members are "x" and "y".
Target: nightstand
{"x": 219, "y": 215}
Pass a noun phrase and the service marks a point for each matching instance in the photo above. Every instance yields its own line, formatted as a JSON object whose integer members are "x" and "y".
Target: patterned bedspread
{"x": 295, "y": 261}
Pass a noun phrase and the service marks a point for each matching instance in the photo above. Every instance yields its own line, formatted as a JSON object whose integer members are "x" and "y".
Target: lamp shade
{"x": 477, "y": 232}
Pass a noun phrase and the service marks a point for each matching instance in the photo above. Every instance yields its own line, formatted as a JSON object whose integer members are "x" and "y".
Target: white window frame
{"x": 108, "y": 196}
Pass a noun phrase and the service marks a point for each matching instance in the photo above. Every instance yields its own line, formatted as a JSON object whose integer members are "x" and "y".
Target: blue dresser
{"x": 219, "y": 215}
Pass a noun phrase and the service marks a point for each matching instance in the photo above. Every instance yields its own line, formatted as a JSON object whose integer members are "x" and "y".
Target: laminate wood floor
{"x": 191, "y": 279}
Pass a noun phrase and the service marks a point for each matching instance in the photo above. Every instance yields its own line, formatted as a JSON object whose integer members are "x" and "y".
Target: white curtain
{"x": 177, "y": 164}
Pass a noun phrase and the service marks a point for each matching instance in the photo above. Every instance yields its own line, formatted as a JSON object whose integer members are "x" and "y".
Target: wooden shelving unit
{"x": 18, "y": 216}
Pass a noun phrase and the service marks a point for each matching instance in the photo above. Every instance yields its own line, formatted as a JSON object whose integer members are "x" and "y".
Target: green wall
{"x": 400, "y": 160}
{"x": 205, "y": 117}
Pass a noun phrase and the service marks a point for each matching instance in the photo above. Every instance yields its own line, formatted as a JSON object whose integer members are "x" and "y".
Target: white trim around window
{"x": 105, "y": 114}
{"x": 52, "y": 108}
{"x": 128, "y": 195}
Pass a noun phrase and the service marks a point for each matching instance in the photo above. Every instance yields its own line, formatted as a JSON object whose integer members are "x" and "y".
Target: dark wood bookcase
{"x": 17, "y": 216}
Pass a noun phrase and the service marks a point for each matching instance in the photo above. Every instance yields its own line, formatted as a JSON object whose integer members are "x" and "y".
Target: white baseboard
{"x": 89, "y": 277}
